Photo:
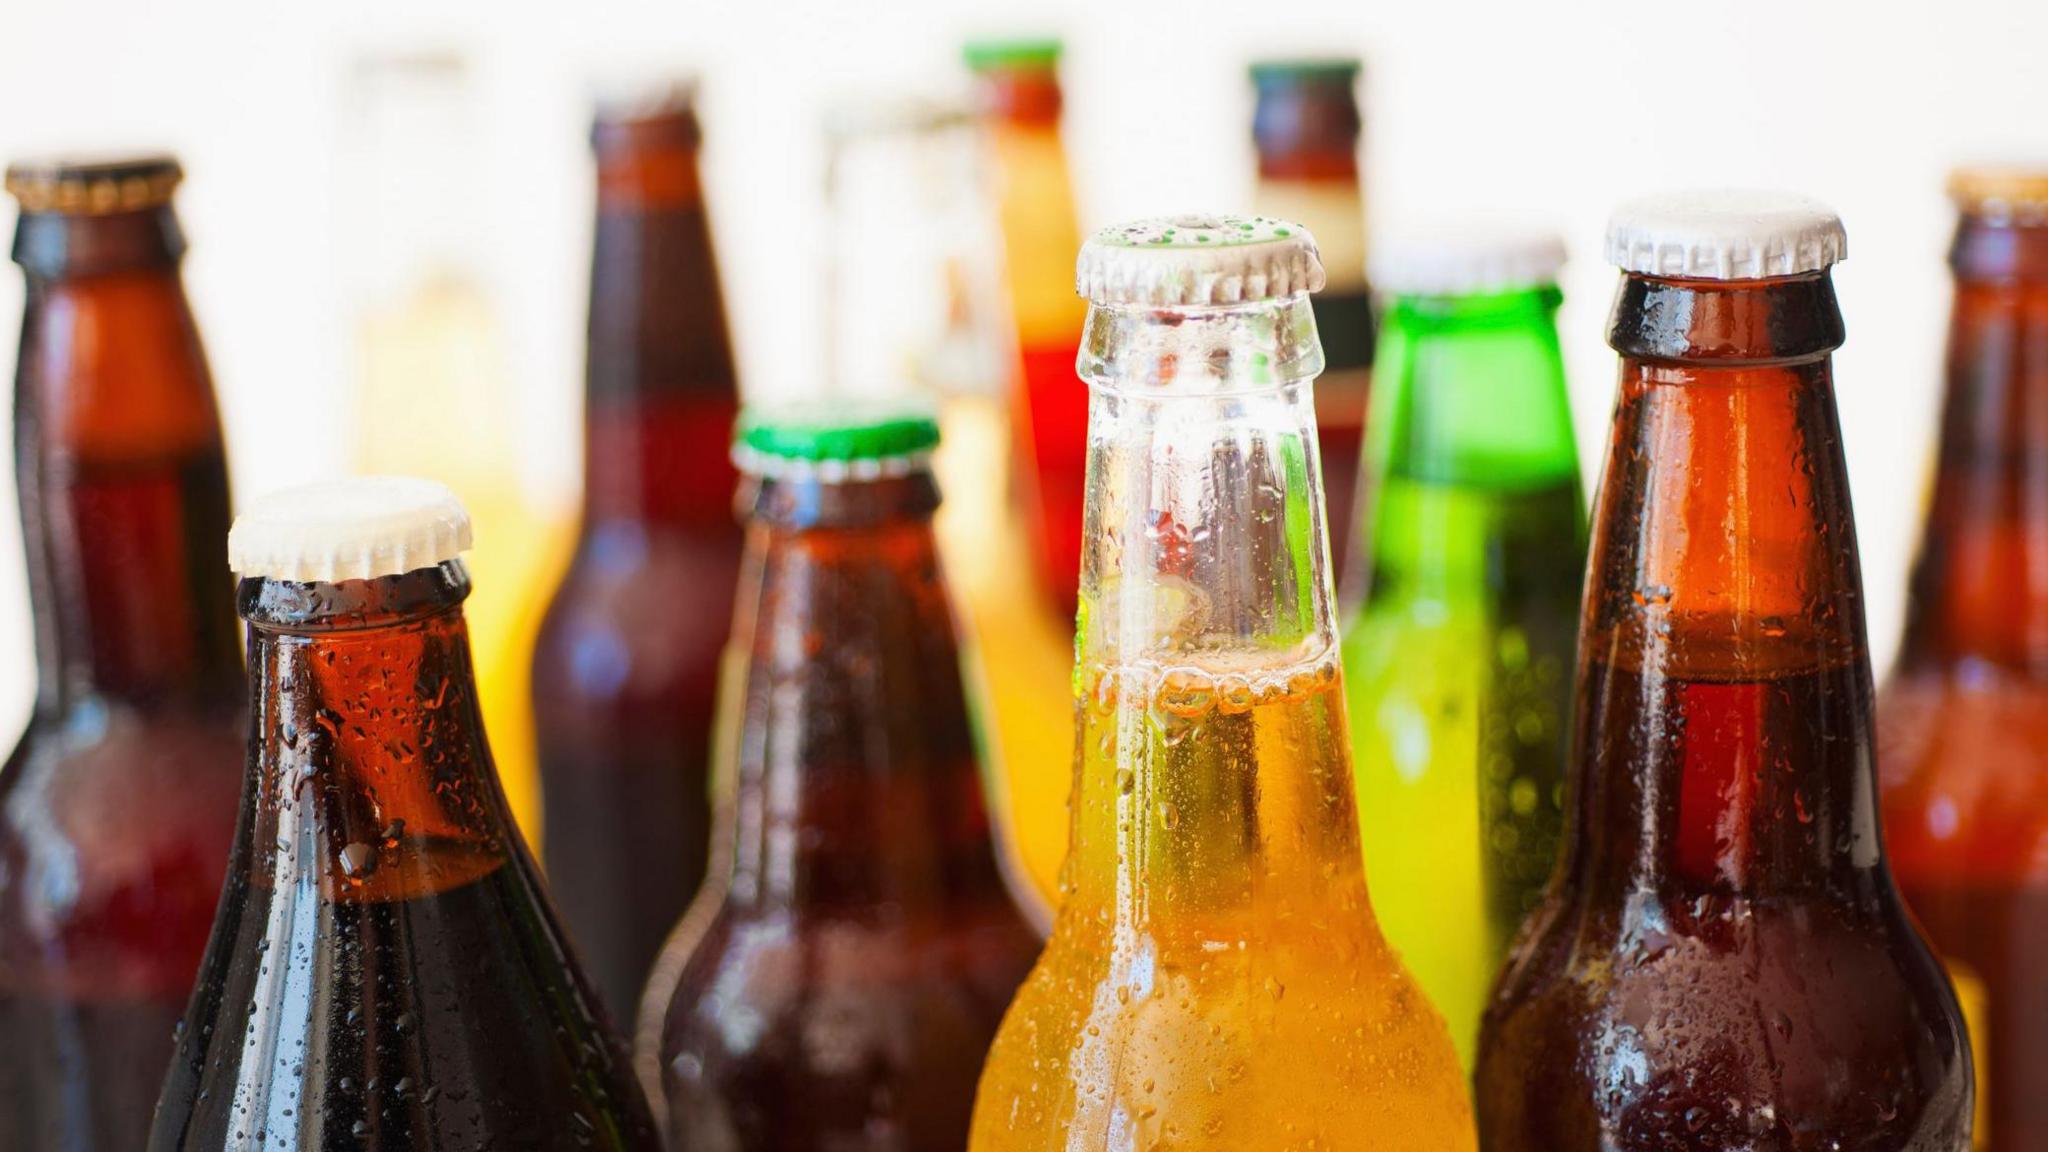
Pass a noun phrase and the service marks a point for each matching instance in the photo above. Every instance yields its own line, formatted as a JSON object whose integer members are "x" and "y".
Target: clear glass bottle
{"x": 1215, "y": 977}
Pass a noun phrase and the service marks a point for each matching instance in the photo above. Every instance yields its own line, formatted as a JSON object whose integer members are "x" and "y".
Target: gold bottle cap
{"x": 2001, "y": 191}
{"x": 95, "y": 185}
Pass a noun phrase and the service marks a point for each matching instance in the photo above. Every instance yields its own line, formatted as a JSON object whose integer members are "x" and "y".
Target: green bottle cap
{"x": 1012, "y": 55}
{"x": 1306, "y": 70}
{"x": 835, "y": 434}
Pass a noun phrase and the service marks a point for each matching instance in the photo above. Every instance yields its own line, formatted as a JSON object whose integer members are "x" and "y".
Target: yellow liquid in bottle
{"x": 436, "y": 402}
{"x": 1215, "y": 979}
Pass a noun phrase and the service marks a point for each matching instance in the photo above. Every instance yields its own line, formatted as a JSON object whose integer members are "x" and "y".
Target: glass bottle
{"x": 842, "y": 989}
{"x": 1458, "y": 656}
{"x": 435, "y": 387}
{"x": 1215, "y": 978}
{"x": 117, "y": 803}
{"x": 917, "y": 299}
{"x": 1723, "y": 961}
{"x": 625, "y": 673}
{"x": 1306, "y": 126}
{"x": 385, "y": 971}
{"x": 1963, "y": 719}
{"x": 1032, "y": 706}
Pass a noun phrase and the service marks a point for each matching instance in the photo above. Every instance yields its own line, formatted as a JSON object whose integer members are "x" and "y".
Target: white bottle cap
{"x": 1198, "y": 259}
{"x": 1465, "y": 263}
{"x": 1725, "y": 235}
{"x": 356, "y": 529}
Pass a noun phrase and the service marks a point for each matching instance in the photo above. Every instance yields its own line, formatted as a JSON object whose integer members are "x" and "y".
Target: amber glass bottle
{"x": 1963, "y": 721}
{"x": 1306, "y": 126}
{"x": 1723, "y": 961}
{"x": 117, "y": 805}
{"x": 626, "y": 672}
{"x": 384, "y": 971}
{"x": 843, "y": 989}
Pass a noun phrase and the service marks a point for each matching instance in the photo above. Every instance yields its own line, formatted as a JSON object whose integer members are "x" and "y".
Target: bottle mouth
{"x": 275, "y": 604}
{"x": 1200, "y": 350}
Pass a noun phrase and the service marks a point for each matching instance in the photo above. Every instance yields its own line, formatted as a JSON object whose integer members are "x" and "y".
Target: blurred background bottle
{"x": 117, "y": 805}
{"x": 384, "y": 971}
{"x": 435, "y": 394}
{"x": 1020, "y": 86}
{"x": 1724, "y": 961}
{"x": 844, "y": 988}
{"x": 1964, "y": 716}
{"x": 917, "y": 302}
{"x": 625, "y": 676}
{"x": 1458, "y": 659}
{"x": 1215, "y": 977}
{"x": 1306, "y": 127}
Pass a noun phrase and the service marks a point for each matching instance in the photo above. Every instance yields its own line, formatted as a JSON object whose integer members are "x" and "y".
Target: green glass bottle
{"x": 1465, "y": 583}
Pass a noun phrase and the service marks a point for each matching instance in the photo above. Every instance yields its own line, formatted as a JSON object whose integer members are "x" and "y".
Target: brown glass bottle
{"x": 118, "y": 804}
{"x": 1306, "y": 126}
{"x": 625, "y": 674}
{"x": 1963, "y": 720}
{"x": 384, "y": 971}
{"x": 843, "y": 991}
{"x": 1723, "y": 962}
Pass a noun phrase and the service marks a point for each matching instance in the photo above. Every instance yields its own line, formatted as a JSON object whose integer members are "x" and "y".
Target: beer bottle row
{"x": 1553, "y": 832}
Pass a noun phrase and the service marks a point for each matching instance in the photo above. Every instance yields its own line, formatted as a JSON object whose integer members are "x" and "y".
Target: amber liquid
{"x": 398, "y": 1012}
{"x": 1215, "y": 979}
{"x": 1765, "y": 993}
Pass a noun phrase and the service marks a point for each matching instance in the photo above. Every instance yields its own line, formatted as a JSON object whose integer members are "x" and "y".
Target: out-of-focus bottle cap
{"x": 1728, "y": 234}
{"x": 1340, "y": 71}
{"x": 355, "y": 529}
{"x": 2007, "y": 192}
{"x": 94, "y": 185}
{"x": 1037, "y": 53}
{"x": 836, "y": 438}
{"x": 662, "y": 109}
{"x": 1466, "y": 263}
{"x": 1197, "y": 259}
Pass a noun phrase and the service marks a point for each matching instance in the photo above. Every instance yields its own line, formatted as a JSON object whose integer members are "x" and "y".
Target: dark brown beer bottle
{"x": 842, "y": 991}
{"x": 1723, "y": 962}
{"x": 384, "y": 971}
{"x": 1963, "y": 721}
{"x": 626, "y": 672}
{"x": 1306, "y": 127}
{"x": 118, "y": 804}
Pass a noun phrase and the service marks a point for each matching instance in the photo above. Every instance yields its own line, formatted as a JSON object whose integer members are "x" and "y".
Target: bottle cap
{"x": 651, "y": 113}
{"x": 1466, "y": 263}
{"x": 1340, "y": 71}
{"x": 356, "y": 529}
{"x": 841, "y": 438}
{"x": 94, "y": 185}
{"x": 1191, "y": 260}
{"x": 2001, "y": 192}
{"x": 1038, "y": 53}
{"x": 1725, "y": 235}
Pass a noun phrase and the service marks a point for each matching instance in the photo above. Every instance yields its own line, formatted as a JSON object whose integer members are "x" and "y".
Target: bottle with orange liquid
{"x": 1031, "y": 640}
{"x": 1215, "y": 978}
{"x": 1963, "y": 720}
{"x": 434, "y": 383}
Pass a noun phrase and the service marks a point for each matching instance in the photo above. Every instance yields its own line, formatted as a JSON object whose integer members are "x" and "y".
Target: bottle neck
{"x": 1024, "y": 98}
{"x": 1470, "y": 418}
{"x": 372, "y": 779}
{"x": 1307, "y": 132}
{"x": 1206, "y": 666}
{"x": 1979, "y": 592}
{"x": 857, "y": 786}
{"x": 1724, "y": 739}
{"x": 661, "y": 391}
{"x": 120, "y": 467}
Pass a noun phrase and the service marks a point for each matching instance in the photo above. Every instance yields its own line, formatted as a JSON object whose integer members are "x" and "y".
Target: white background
{"x": 1512, "y": 111}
